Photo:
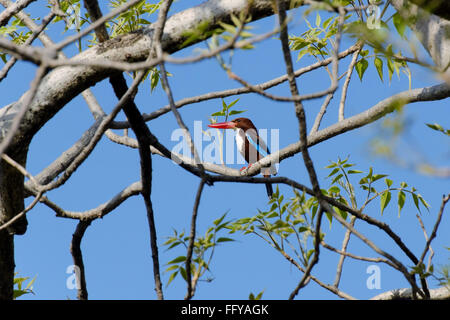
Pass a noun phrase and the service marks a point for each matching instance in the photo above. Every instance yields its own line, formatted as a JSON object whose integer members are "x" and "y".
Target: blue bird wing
{"x": 261, "y": 147}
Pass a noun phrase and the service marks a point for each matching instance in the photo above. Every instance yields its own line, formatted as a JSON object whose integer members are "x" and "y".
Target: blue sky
{"x": 116, "y": 248}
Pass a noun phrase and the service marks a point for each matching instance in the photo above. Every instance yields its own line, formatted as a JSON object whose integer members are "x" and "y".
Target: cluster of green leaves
{"x": 287, "y": 225}
{"x": 394, "y": 63}
{"x": 73, "y": 18}
{"x": 19, "y": 286}
{"x": 132, "y": 19}
{"x": 316, "y": 39}
{"x": 225, "y": 32}
{"x": 203, "y": 250}
{"x": 226, "y": 112}
{"x": 383, "y": 52}
{"x": 16, "y": 31}
{"x": 341, "y": 171}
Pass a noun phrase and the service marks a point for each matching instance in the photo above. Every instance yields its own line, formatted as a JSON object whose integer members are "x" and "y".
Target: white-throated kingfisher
{"x": 250, "y": 145}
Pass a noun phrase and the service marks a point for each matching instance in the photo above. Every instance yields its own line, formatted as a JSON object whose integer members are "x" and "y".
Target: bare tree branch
{"x": 5, "y": 15}
{"x": 77, "y": 256}
{"x": 445, "y": 199}
{"x": 101, "y": 210}
{"x": 190, "y": 248}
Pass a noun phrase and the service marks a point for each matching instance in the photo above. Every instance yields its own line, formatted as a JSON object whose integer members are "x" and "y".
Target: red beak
{"x": 223, "y": 125}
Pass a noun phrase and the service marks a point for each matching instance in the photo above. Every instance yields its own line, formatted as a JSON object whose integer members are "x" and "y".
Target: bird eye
{"x": 238, "y": 120}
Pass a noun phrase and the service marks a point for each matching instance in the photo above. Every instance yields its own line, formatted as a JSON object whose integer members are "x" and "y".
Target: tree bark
{"x": 432, "y": 31}
{"x": 6, "y": 265}
{"x": 11, "y": 203}
{"x": 440, "y": 8}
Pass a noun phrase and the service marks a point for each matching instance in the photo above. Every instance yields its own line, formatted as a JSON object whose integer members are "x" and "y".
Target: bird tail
{"x": 269, "y": 188}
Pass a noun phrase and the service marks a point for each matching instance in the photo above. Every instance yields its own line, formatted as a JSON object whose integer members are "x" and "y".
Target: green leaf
{"x": 232, "y": 103}
{"x": 379, "y": 65}
{"x": 416, "y": 201}
{"x": 172, "y": 276}
{"x": 426, "y": 205}
{"x": 236, "y": 20}
{"x": 218, "y": 221}
{"x": 438, "y": 127}
{"x": 224, "y": 239}
{"x": 177, "y": 260}
{"x": 327, "y": 22}
{"x": 390, "y": 65}
{"x": 400, "y": 201}
{"x": 384, "y": 200}
{"x": 333, "y": 172}
{"x": 172, "y": 268}
{"x": 302, "y": 229}
{"x": 342, "y": 213}
{"x": 233, "y": 112}
{"x": 332, "y": 165}
{"x": 329, "y": 217}
{"x": 334, "y": 189}
{"x": 183, "y": 273}
{"x": 337, "y": 178}
{"x": 309, "y": 254}
{"x": 388, "y": 182}
{"x": 376, "y": 177}
{"x": 259, "y": 296}
{"x": 354, "y": 171}
{"x": 318, "y": 19}
{"x": 399, "y": 24}
{"x": 361, "y": 67}
{"x": 218, "y": 114}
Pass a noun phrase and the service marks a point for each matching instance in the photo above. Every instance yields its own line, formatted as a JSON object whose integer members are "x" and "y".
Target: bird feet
{"x": 247, "y": 167}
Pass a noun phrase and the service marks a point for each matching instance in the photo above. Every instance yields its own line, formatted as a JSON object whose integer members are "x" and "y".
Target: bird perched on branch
{"x": 250, "y": 145}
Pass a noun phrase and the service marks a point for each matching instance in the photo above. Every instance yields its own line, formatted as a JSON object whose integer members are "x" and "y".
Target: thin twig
{"x": 98, "y": 212}
{"x": 342, "y": 252}
{"x": 321, "y": 113}
{"x": 445, "y": 199}
{"x": 346, "y": 83}
{"x": 354, "y": 256}
{"x": 190, "y": 248}
{"x": 422, "y": 226}
{"x": 315, "y": 258}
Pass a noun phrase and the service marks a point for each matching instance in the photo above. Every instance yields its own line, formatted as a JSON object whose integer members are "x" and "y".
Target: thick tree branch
{"x": 5, "y": 15}
{"x": 77, "y": 256}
